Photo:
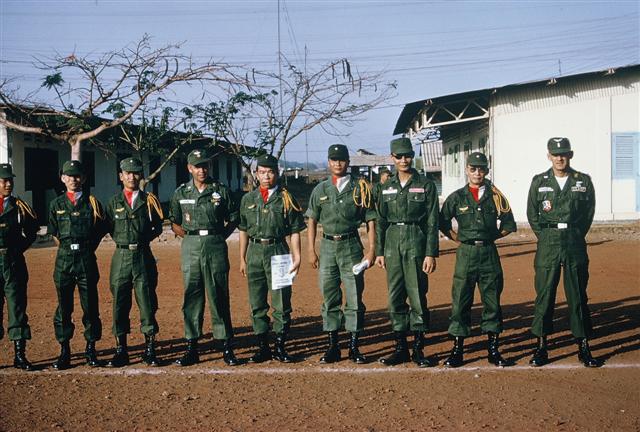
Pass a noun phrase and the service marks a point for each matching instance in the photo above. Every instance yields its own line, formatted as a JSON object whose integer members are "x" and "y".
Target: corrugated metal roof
{"x": 412, "y": 109}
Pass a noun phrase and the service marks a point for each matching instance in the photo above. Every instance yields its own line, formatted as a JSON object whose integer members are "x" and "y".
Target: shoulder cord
{"x": 23, "y": 208}
{"x": 96, "y": 208}
{"x": 365, "y": 194}
{"x": 501, "y": 202}
{"x": 154, "y": 203}
{"x": 288, "y": 202}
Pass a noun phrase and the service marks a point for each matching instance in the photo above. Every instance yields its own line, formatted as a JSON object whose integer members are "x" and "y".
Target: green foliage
{"x": 53, "y": 80}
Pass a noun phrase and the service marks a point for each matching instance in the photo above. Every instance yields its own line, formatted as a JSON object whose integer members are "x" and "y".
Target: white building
{"x": 598, "y": 111}
{"x": 37, "y": 162}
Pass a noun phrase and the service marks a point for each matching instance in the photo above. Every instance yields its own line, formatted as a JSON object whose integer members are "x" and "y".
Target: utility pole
{"x": 284, "y": 153}
{"x": 306, "y": 142}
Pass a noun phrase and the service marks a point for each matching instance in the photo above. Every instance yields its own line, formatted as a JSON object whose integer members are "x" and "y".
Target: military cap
{"x": 73, "y": 168}
{"x": 558, "y": 145}
{"x": 131, "y": 164}
{"x": 197, "y": 157}
{"x": 401, "y": 146}
{"x": 477, "y": 159}
{"x": 338, "y": 152}
{"x": 267, "y": 161}
{"x": 6, "y": 171}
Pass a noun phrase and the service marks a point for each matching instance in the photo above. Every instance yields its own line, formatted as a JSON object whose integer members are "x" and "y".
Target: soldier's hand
{"x": 313, "y": 259}
{"x": 380, "y": 262}
{"x": 243, "y": 267}
{"x": 178, "y": 230}
{"x": 429, "y": 265}
{"x": 371, "y": 257}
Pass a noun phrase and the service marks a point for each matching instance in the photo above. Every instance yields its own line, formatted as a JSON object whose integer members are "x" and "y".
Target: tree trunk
{"x": 76, "y": 149}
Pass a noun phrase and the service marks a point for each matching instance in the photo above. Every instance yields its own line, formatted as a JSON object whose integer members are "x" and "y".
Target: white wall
{"x": 519, "y": 132}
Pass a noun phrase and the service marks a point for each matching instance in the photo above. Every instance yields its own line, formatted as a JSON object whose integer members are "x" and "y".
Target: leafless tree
{"x": 103, "y": 93}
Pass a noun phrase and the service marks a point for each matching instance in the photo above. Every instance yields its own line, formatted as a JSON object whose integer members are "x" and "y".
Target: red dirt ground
{"x": 562, "y": 396}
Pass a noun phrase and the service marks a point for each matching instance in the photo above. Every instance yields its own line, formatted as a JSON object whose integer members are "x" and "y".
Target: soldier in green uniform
{"x": 77, "y": 222}
{"x": 18, "y": 229}
{"x": 560, "y": 210}
{"x": 384, "y": 174}
{"x": 268, "y": 215}
{"x": 483, "y": 215}
{"x": 341, "y": 204}
{"x": 204, "y": 214}
{"x": 134, "y": 219}
{"x": 407, "y": 246}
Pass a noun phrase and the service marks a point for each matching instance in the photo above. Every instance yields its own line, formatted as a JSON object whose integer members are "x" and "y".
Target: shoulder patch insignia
{"x": 546, "y": 205}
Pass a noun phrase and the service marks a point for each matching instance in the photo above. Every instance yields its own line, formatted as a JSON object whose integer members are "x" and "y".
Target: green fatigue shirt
{"x": 138, "y": 225}
{"x": 269, "y": 220}
{"x": 206, "y": 210}
{"x": 416, "y": 203}
{"x": 338, "y": 212}
{"x": 82, "y": 224}
{"x": 573, "y": 205}
{"x": 476, "y": 220}
{"x": 18, "y": 225}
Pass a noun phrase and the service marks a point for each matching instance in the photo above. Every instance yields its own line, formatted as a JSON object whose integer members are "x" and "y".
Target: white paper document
{"x": 280, "y": 276}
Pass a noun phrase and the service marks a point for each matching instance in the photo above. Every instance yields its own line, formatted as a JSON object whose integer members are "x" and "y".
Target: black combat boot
{"x": 400, "y": 353}
{"x": 20, "y": 359}
{"x": 494, "y": 351}
{"x": 332, "y": 354}
{"x": 149, "y": 354}
{"x": 91, "y": 355}
{"x": 64, "y": 359}
{"x": 584, "y": 354}
{"x": 227, "y": 355}
{"x": 540, "y": 355}
{"x": 417, "y": 356}
{"x": 121, "y": 357}
{"x": 455, "y": 358}
{"x": 280, "y": 352}
{"x": 190, "y": 356}
{"x": 264, "y": 352}
{"x": 354, "y": 353}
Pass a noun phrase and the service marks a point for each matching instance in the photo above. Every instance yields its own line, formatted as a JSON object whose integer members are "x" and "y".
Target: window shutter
{"x": 625, "y": 156}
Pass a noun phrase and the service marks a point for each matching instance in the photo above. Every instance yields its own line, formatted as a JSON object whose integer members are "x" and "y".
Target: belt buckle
{"x": 74, "y": 246}
{"x": 3, "y": 251}
{"x": 563, "y": 225}
{"x": 400, "y": 223}
{"x": 265, "y": 241}
{"x": 203, "y": 232}
{"x": 338, "y": 237}
{"x": 133, "y": 247}
{"x": 478, "y": 242}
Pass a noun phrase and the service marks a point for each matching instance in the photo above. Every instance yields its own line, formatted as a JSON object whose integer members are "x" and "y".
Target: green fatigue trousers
{"x": 337, "y": 258}
{"x": 79, "y": 268}
{"x": 205, "y": 268}
{"x": 13, "y": 286}
{"x": 259, "y": 278}
{"x": 555, "y": 251}
{"x": 134, "y": 270}
{"x": 404, "y": 254}
{"x": 476, "y": 265}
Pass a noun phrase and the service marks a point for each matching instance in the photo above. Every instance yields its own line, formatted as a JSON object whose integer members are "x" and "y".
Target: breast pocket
{"x": 389, "y": 204}
{"x": 465, "y": 213}
{"x": 81, "y": 224}
{"x": 417, "y": 204}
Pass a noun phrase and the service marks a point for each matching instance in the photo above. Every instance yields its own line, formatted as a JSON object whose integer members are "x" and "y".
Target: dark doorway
{"x": 42, "y": 178}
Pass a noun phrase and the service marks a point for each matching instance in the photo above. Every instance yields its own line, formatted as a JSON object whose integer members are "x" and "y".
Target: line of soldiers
{"x": 402, "y": 220}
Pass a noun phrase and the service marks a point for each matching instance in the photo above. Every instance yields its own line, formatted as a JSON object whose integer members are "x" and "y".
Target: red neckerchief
{"x": 334, "y": 180}
{"x": 128, "y": 196}
{"x": 475, "y": 192}
{"x": 72, "y": 197}
{"x": 265, "y": 194}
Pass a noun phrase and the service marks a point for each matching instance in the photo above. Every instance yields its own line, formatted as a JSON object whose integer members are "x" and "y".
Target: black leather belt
{"x": 134, "y": 246}
{"x": 202, "y": 232}
{"x": 267, "y": 241}
{"x": 403, "y": 223}
{"x": 340, "y": 236}
{"x": 559, "y": 225}
{"x": 478, "y": 242}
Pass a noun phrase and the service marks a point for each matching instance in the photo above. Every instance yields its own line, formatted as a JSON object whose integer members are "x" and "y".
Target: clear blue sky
{"x": 429, "y": 48}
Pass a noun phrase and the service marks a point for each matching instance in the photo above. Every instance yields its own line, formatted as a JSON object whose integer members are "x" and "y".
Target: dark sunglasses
{"x": 403, "y": 156}
{"x": 477, "y": 168}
